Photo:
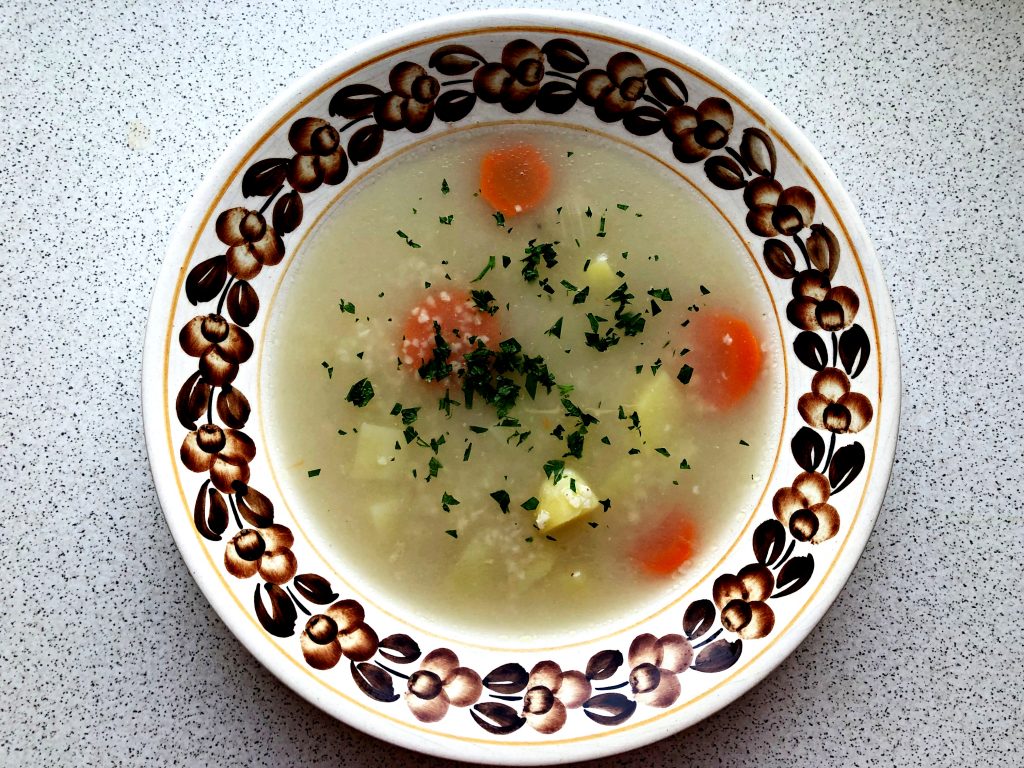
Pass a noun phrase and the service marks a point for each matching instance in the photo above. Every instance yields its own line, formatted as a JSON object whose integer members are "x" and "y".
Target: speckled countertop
{"x": 109, "y": 655}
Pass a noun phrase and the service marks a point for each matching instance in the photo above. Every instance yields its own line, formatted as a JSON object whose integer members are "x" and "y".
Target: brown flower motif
{"x": 220, "y": 346}
{"x": 224, "y": 453}
{"x": 818, "y": 306}
{"x": 614, "y": 92}
{"x": 319, "y": 157}
{"x": 410, "y": 104}
{"x": 340, "y": 631}
{"x": 267, "y": 550}
{"x": 439, "y": 683}
{"x": 831, "y": 405}
{"x": 550, "y": 692}
{"x": 776, "y": 210}
{"x": 252, "y": 244}
{"x": 515, "y": 81}
{"x": 802, "y": 508}
{"x": 656, "y": 664}
{"x": 696, "y": 132}
{"x": 741, "y": 601}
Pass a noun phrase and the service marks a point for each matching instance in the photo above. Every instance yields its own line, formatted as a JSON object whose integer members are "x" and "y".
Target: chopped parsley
{"x": 408, "y": 240}
{"x": 530, "y": 504}
{"x": 535, "y": 253}
{"x": 503, "y": 500}
{"x": 484, "y": 300}
{"x": 663, "y": 451}
{"x": 581, "y": 297}
{"x": 346, "y": 306}
{"x": 447, "y": 219}
{"x": 499, "y": 217}
{"x": 622, "y": 207}
{"x": 448, "y": 501}
{"x": 453, "y": 533}
{"x": 313, "y": 473}
{"x": 555, "y": 330}
{"x": 485, "y": 270}
{"x": 330, "y": 369}
{"x": 704, "y": 290}
{"x": 660, "y": 293}
{"x": 445, "y": 189}
{"x": 744, "y": 442}
{"x": 684, "y": 464}
{"x": 360, "y": 393}
{"x": 685, "y": 373}
{"x": 434, "y": 465}
{"x": 554, "y": 469}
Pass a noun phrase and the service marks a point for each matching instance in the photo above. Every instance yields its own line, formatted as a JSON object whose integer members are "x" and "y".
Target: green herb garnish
{"x": 685, "y": 373}
{"x": 360, "y": 393}
{"x": 503, "y": 500}
{"x": 313, "y": 473}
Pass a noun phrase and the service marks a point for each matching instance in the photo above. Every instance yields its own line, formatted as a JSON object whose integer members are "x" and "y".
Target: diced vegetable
{"x": 665, "y": 547}
{"x": 562, "y": 502}
{"x": 376, "y": 455}
{"x": 726, "y": 359}
{"x": 459, "y": 321}
{"x": 600, "y": 276}
{"x": 514, "y": 179}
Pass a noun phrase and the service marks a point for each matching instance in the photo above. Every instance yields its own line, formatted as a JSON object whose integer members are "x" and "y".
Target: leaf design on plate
{"x": 452, "y": 106}
{"x": 667, "y": 87}
{"x": 564, "y": 55}
{"x": 233, "y": 407}
{"x": 808, "y": 448}
{"x": 192, "y": 400}
{"x": 279, "y": 619}
{"x": 365, "y": 143}
{"x": 508, "y": 678}
{"x": 769, "y": 539}
{"x": 698, "y": 618}
{"x": 609, "y": 708}
{"x": 643, "y": 120}
{"x": 264, "y": 177}
{"x": 794, "y": 575}
{"x": 846, "y": 464}
{"x": 401, "y": 649}
{"x": 255, "y": 508}
{"x": 287, "y": 212}
{"x": 758, "y": 151}
{"x": 823, "y": 248}
{"x": 243, "y": 303}
{"x": 354, "y": 101}
{"x": 211, "y": 524}
{"x": 811, "y": 350}
{"x": 854, "y": 350}
{"x": 718, "y": 656}
{"x": 724, "y": 172}
{"x": 556, "y": 97}
{"x": 375, "y": 682}
{"x": 205, "y": 280}
{"x": 497, "y": 718}
{"x": 315, "y": 588}
{"x": 604, "y": 664}
{"x": 780, "y": 259}
{"x": 455, "y": 59}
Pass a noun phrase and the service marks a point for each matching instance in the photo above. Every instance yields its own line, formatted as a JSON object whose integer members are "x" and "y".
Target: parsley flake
{"x": 360, "y": 393}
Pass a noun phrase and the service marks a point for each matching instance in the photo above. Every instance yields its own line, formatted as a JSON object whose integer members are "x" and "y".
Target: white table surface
{"x": 112, "y": 112}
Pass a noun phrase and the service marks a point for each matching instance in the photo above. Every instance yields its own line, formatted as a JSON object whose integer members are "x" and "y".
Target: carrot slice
{"x": 726, "y": 359}
{"x": 459, "y": 321}
{"x": 667, "y": 546}
{"x": 514, "y": 179}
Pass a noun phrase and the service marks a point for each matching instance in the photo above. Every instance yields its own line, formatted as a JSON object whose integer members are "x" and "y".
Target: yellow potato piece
{"x": 376, "y": 456}
{"x": 561, "y": 503}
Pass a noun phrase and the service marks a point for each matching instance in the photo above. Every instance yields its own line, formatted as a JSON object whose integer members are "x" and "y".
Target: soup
{"x": 520, "y": 382}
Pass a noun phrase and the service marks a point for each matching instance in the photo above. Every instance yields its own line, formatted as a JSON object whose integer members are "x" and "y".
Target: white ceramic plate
{"x": 360, "y": 659}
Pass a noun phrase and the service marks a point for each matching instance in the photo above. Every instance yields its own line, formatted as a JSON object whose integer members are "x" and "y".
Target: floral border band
{"x": 555, "y": 78}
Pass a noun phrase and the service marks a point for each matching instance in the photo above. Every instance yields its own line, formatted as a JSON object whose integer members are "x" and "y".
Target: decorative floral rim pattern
{"x": 554, "y": 74}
